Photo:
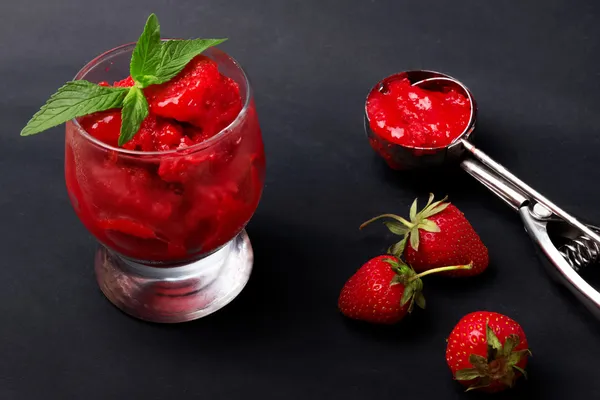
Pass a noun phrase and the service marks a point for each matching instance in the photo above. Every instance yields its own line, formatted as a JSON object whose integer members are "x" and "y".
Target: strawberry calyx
{"x": 413, "y": 285}
{"x": 499, "y": 366}
{"x": 409, "y": 230}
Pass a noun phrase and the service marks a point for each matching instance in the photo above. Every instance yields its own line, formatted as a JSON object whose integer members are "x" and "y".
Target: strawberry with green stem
{"x": 384, "y": 290}
{"x": 487, "y": 351}
{"x": 438, "y": 235}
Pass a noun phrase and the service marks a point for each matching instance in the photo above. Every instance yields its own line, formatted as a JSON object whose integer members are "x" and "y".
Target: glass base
{"x": 176, "y": 294}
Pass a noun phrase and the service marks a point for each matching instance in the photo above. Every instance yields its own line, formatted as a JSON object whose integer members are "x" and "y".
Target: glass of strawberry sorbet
{"x": 169, "y": 208}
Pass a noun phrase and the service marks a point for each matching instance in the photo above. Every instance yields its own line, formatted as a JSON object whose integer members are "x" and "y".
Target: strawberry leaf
{"x": 407, "y": 295}
{"x": 399, "y": 267}
{"x": 478, "y": 361}
{"x": 517, "y": 356}
{"x": 420, "y": 300}
{"x": 413, "y": 210}
{"x": 396, "y": 280}
{"x": 431, "y": 208}
{"x": 411, "y": 306}
{"x": 397, "y": 228}
{"x": 393, "y": 263}
{"x": 521, "y": 370}
{"x": 414, "y": 239}
{"x": 510, "y": 343}
{"x": 492, "y": 339}
{"x": 429, "y": 226}
{"x": 431, "y": 196}
{"x": 397, "y": 249}
{"x": 483, "y": 382}
{"x": 468, "y": 374}
{"x": 508, "y": 378}
{"x": 438, "y": 208}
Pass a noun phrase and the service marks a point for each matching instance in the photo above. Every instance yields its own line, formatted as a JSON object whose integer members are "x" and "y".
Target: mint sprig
{"x": 153, "y": 62}
{"x": 74, "y": 99}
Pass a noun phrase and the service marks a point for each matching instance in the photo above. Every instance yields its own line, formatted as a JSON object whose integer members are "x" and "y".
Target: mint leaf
{"x": 147, "y": 53}
{"x": 134, "y": 112}
{"x": 152, "y": 62}
{"x": 174, "y": 56}
{"x": 74, "y": 99}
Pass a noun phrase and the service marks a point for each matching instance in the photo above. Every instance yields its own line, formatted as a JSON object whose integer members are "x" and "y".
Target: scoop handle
{"x": 513, "y": 190}
{"x": 498, "y": 186}
{"x": 557, "y": 265}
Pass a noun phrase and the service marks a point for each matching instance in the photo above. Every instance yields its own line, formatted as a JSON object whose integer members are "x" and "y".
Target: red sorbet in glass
{"x": 187, "y": 182}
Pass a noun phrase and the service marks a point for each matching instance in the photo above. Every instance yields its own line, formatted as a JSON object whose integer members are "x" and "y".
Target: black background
{"x": 534, "y": 67}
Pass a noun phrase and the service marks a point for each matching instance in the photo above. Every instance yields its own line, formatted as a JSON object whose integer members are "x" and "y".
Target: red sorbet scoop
{"x": 415, "y": 117}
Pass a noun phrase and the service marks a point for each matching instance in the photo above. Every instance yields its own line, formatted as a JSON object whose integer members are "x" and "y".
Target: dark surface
{"x": 533, "y": 67}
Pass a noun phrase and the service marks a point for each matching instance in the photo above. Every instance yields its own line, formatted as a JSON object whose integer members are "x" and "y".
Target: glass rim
{"x": 195, "y": 147}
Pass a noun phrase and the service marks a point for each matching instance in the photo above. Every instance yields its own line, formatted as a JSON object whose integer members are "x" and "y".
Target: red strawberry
{"x": 383, "y": 291}
{"x": 438, "y": 235}
{"x": 487, "y": 351}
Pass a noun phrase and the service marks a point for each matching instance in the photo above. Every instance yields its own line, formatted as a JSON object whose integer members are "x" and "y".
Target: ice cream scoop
{"x": 568, "y": 244}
